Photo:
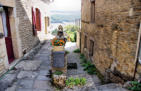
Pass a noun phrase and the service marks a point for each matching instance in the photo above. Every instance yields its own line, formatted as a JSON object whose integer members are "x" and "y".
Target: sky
{"x": 66, "y": 5}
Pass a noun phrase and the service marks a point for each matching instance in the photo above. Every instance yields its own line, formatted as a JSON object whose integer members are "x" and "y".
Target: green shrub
{"x": 82, "y": 81}
{"x": 67, "y": 52}
{"x": 77, "y": 81}
{"x": 136, "y": 86}
{"x": 88, "y": 66}
{"x": 71, "y": 32}
{"x": 82, "y": 56}
{"x": 76, "y": 51}
{"x": 58, "y": 72}
{"x": 71, "y": 82}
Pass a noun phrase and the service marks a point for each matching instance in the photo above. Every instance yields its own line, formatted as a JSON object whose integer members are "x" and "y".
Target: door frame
{"x": 9, "y": 38}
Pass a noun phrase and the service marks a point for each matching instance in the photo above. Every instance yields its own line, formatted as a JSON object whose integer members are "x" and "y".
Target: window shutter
{"x": 33, "y": 23}
{"x": 38, "y": 20}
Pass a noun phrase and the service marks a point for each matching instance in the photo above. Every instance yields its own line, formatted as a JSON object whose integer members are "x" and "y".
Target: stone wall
{"x": 3, "y": 54}
{"x": 3, "y": 51}
{"x": 24, "y": 18}
{"x": 21, "y": 28}
{"x": 115, "y": 35}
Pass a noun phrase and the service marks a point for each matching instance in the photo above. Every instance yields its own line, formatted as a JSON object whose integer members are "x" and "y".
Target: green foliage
{"x": 88, "y": 66}
{"x": 83, "y": 81}
{"x": 77, "y": 81}
{"x": 54, "y": 32}
{"x": 67, "y": 52}
{"x": 82, "y": 56}
{"x": 136, "y": 86}
{"x": 76, "y": 51}
{"x": 71, "y": 82}
{"x": 71, "y": 32}
{"x": 58, "y": 72}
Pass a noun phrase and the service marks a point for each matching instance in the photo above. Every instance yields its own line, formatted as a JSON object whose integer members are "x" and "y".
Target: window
{"x": 85, "y": 41}
{"x": 91, "y": 49}
{"x": 92, "y": 11}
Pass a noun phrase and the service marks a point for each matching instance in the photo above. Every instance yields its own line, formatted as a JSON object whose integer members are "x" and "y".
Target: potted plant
{"x": 58, "y": 44}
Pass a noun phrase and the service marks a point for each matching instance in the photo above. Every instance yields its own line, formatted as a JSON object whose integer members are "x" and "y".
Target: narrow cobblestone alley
{"x": 31, "y": 75}
{"x": 70, "y": 45}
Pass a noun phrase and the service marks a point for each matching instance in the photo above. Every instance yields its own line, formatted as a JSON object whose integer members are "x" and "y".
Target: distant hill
{"x": 64, "y": 16}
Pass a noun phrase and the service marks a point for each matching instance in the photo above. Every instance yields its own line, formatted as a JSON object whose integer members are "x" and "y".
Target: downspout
{"x": 137, "y": 52}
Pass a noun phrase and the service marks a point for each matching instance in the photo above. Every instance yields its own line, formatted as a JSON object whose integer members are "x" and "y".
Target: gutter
{"x": 137, "y": 52}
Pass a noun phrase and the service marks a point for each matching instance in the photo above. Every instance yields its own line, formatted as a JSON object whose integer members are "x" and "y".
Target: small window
{"x": 85, "y": 42}
{"x": 91, "y": 49}
{"x": 92, "y": 12}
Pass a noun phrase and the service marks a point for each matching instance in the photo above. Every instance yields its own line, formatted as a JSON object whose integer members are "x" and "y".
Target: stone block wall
{"x": 3, "y": 54}
{"x": 115, "y": 35}
{"x": 24, "y": 18}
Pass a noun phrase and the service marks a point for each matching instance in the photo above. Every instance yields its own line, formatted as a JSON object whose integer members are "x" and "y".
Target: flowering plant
{"x": 57, "y": 42}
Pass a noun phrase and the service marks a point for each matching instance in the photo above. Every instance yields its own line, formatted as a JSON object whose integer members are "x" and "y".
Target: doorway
{"x": 8, "y": 37}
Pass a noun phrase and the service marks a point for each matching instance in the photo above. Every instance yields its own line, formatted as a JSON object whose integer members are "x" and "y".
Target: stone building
{"x": 22, "y": 22}
{"x": 110, "y": 37}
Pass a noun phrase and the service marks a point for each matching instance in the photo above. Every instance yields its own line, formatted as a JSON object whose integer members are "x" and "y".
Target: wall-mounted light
{"x": 1, "y": 35}
{"x": 1, "y": 8}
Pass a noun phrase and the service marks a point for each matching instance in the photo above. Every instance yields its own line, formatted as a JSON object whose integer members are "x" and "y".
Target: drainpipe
{"x": 136, "y": 64}
{"x": 137, "y": 52}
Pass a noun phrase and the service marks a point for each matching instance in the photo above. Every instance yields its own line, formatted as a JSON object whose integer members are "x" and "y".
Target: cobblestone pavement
{"x": 31, "y": 75}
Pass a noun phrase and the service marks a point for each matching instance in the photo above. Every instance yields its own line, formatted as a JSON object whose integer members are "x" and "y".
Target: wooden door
{"x": 8, "y": 39}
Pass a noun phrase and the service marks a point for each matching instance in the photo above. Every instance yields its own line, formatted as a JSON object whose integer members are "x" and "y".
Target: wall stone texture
{"x": 3, "y": 54}
{"x": 115, "y": 34}
{"x": 24, "y": 17}
{"x": 20, "y": 17}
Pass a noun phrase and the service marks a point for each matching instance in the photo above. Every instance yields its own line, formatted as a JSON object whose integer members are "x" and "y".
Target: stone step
{"x": 111, "y": 87}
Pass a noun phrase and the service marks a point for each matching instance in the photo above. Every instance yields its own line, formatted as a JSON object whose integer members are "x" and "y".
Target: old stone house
{"x": 21, "y": 24}
{"x": 110, "y": 37}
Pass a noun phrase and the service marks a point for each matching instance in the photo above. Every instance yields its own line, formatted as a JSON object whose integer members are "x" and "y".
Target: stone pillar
{"x": 17, "y": 47}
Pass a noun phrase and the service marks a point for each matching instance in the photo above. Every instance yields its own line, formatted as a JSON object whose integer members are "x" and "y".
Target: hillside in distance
{"x": 64, "y": 16}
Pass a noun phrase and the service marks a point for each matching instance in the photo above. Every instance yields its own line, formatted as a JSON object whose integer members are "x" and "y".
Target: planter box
{"x": 58, "y": 48}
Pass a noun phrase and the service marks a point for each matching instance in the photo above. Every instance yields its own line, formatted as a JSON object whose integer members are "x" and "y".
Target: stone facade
{"x": 114, "y": 32}
{"x": 24, "y": 18}
{"x": 3, "y": 52}
{"x": 20, "y": 17}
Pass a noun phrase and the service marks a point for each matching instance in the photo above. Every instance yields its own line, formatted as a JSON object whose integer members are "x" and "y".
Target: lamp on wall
{"x": 1, "y": 8}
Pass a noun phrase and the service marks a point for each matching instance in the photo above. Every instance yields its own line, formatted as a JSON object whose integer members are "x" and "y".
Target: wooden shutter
{"x": 33, "y": 23}
{"x": 38, "y": 20}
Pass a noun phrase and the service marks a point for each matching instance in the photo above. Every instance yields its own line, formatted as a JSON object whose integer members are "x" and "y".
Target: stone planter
{"x": 58, "y": 48}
